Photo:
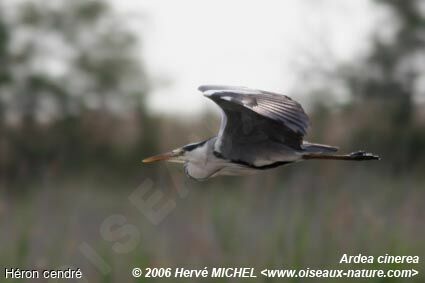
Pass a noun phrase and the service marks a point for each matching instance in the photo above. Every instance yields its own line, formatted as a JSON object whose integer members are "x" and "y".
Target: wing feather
{"x": 278, "y": 107}
{"x": 257, "y": 125}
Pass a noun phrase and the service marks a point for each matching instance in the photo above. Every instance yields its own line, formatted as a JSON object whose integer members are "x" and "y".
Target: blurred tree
{"x": 70, "y": 84}
{"x": 386, "y": 83}
{"x": 391, "y": 69}
{"x": 3, "y": 80}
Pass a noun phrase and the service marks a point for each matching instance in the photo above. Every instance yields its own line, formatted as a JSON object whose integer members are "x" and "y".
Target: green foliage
{"x": 383, "y": 115}
{"x": 68, "y": 69}
{"x": 390, "y": 70}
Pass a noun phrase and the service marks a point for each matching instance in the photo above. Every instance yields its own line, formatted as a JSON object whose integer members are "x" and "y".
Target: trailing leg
{"x": 356, "y": 156}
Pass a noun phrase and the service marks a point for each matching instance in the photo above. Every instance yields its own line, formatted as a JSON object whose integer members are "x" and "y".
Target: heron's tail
{"x": 357, "y": 156}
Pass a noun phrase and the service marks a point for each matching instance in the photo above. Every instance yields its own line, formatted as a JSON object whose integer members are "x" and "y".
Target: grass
{"x": 289, "y": 218}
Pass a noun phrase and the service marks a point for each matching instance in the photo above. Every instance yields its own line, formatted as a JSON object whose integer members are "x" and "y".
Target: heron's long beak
{"x": 170, "y": 156}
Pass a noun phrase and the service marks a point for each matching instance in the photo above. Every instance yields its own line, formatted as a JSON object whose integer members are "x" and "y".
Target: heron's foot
{"x": 363, "y": 155}
{"x": 358, "y": 153}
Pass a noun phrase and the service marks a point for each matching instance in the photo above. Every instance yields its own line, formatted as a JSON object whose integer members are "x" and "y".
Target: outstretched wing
{"x": 256, "y": 124}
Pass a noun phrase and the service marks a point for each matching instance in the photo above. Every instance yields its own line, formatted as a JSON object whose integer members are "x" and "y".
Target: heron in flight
{"x": 259, "y": 130}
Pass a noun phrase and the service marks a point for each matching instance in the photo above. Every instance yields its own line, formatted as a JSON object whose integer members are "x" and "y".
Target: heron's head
{"x": 178, "y": 155}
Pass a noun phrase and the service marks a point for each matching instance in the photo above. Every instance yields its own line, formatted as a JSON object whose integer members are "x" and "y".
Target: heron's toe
{"x": 359, "y": 153}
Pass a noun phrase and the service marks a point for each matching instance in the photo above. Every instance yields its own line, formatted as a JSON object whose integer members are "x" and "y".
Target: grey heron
{"x": 259, "y": 130}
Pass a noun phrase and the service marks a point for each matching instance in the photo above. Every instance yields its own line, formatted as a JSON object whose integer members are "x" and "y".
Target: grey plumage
{"x": 259, "y": 130}
{"x": 258, "y": 127}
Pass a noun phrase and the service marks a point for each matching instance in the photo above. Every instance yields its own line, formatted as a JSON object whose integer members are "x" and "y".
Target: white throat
{"x": 201, "y": 162}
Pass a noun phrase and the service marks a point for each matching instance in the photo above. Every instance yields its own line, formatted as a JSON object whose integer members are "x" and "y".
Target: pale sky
{"x": 259, "y": 44}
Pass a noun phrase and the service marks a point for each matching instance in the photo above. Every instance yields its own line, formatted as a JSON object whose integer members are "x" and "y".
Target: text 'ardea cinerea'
{"x": 259, "y": 130}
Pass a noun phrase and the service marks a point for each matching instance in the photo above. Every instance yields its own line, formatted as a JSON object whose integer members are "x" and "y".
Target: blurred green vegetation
{"x": 384, "y": 87}
{"x": 72, "y": 90}
{"x": 74, "y": 127}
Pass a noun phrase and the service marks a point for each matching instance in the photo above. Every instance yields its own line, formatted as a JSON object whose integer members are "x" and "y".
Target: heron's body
{"x": 259, "y": 130}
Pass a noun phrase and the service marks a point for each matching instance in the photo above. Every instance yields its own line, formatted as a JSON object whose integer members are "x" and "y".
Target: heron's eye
{"x": 192, "y": 146}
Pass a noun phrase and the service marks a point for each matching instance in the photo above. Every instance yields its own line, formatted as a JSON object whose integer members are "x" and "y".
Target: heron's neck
{"x": 201, "y": 162}
{"x": 200, "y": 154}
